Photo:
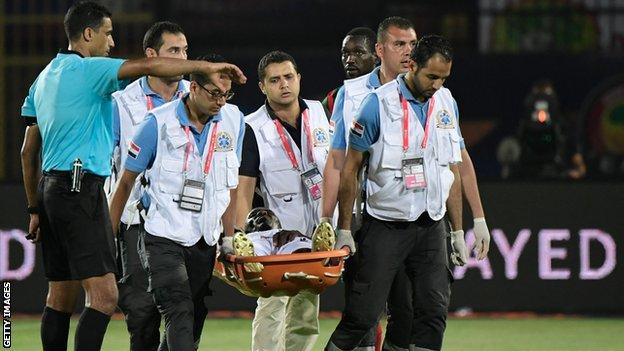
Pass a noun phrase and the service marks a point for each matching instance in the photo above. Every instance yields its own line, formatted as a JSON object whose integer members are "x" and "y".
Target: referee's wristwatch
{"x": 33, "y": 210}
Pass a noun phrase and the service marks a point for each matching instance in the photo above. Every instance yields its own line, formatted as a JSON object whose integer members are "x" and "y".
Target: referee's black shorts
{"x": 76, "y": 234}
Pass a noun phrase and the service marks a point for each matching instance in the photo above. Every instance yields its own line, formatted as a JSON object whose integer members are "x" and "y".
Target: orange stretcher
{"x": 281, "y": 275}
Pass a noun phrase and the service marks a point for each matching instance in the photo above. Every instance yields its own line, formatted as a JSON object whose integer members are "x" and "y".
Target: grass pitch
{"x": 483, "y": 334}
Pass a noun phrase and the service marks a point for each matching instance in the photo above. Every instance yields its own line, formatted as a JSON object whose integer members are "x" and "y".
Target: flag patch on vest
{"x": 320, "y": 137}
{"x": 224, "y": 142}
{"x": 444, "y": 120}
{"x": 332, "y": 126}
{"x": 357, "y": 129}
{"x": 133, "y": 150}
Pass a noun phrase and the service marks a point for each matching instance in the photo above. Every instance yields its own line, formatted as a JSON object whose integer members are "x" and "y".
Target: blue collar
{"x": 183, "y": 116}
{"x": 148, "y": 91}
{"x": 373, "y": 78}
{"x": 406, "y": 92}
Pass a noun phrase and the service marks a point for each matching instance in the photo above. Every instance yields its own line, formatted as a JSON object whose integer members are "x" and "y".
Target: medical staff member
{"x": 408, "y": 127}
{"x": 284, "y": 153}
{"x": 189, "y": 151}
{"x": 70, "y": 103}
{"x": 393, "y": 44}
{"x": 130, "y": 106}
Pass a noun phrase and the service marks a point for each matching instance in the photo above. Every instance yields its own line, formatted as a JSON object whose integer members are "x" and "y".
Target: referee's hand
{"x": 228, "y": 69}
{"x": 34, "y": 233}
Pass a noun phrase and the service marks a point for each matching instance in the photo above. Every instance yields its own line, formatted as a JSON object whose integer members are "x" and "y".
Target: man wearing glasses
{"x": 130, "y": 106}
{"x": 189, "y": 151}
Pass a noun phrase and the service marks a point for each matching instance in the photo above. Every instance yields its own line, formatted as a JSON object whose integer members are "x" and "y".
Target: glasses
{"x": 216, "y": 95}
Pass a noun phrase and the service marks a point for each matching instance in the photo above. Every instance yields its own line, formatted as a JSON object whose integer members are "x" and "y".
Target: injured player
{"x": 263, "y": 235}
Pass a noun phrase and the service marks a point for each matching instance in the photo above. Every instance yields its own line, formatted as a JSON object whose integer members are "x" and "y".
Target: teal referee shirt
{"x": 71, "y": 99}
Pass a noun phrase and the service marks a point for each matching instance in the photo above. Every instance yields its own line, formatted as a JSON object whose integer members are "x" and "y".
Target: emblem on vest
{"x": 224, "y": 142}
{"x": 444, "y": 120}
{"x": 321, "y": 138}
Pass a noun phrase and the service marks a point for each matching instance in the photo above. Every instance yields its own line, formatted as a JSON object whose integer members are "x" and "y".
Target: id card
{"x": 413, "y": 170}
{"x": 312, "y": 179}
{"x": 192, "y": 197}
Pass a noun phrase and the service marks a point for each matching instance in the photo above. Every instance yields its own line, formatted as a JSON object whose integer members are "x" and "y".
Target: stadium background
{"x": 568, "y": 235}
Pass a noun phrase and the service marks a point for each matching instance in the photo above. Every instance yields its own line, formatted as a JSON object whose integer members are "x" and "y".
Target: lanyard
{"x": 286, "y": 143}
{"x": 150, "y": 102}
{"x": 406, "y": 122}
{"x": 211, "y": 148}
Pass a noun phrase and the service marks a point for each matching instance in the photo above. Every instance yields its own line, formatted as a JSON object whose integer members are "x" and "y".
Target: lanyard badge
{"x": 413, "y": 169}
{"x": 312, "y": 178}
{"x": 192, "y": 196}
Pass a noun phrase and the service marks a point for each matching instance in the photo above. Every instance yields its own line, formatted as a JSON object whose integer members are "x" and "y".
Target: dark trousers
{"x": 348, "y": 277}
{"x": 384, "y": 247}
{"x": 137, "y": 305}
{"x": 179, "y": 280}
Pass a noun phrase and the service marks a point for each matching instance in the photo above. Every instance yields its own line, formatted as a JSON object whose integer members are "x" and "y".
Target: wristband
{"x": 33, "y": 210}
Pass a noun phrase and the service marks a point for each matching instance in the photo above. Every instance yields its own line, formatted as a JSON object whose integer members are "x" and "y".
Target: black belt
{"x": 67, "y": 175}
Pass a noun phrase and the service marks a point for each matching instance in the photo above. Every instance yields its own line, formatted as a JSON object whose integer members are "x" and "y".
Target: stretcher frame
{"x": 282, "y": 275}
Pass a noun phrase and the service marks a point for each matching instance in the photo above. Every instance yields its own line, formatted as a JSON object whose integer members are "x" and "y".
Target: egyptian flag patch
{"x": 332, "y": 126}
{"x": 133, "y": 150}
{"x": 357, "y": 129}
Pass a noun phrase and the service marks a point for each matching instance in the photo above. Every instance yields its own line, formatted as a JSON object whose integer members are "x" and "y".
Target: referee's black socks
{"x": 91, "y": 329}
{"x": 54, "y": 329}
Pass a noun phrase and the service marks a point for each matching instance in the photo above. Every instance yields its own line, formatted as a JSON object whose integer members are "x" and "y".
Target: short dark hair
{"x": 366, "y": 33}
{"x": 202, "y": 79}
{"x": 273, "y": 57}
{"x": 82, "y": 15}
{"x": 430, "y": 45}
{"x": 394, "y": 21}
{"x": 153, "y": 37}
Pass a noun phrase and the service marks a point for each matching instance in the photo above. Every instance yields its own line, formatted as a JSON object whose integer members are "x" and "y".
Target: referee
{"x": 70, "y": 101}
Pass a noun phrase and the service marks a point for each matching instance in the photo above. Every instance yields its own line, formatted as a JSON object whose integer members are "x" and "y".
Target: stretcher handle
{"x": 299, "y": 275}
{"x": 307, "y": 256}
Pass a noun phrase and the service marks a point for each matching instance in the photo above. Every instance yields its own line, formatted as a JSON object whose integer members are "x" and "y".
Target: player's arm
{"x": 168, "y": 67}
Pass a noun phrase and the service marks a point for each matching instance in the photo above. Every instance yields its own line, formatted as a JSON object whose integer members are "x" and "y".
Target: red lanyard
{"x": 286, "y": 143}
{"x": 211, "y": 148}
{"x": 150, "y": 104}
{"x": 405, "y": 108}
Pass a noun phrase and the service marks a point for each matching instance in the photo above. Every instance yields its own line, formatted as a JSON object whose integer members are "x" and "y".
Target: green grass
{"x": 531, "y": 334}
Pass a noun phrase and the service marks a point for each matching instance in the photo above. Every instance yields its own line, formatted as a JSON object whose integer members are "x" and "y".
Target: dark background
{"x": 502, "y": 48}
{"x": 510, "y": 208}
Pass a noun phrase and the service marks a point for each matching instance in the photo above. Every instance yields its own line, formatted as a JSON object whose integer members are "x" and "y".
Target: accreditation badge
{"x": 413, "y": 170}
{"x": 192, "y": 197}
{"x": 313, "y": 180}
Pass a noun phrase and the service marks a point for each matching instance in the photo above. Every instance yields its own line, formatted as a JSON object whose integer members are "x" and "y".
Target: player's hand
{"x": 227, "y": 247}
{"x": 482, "y": 238}
{"x": 34, "y": 232}
{"x": 228, "y": 69}
{"x": 344, "y": 238}
{"x": 459, "y": 256}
